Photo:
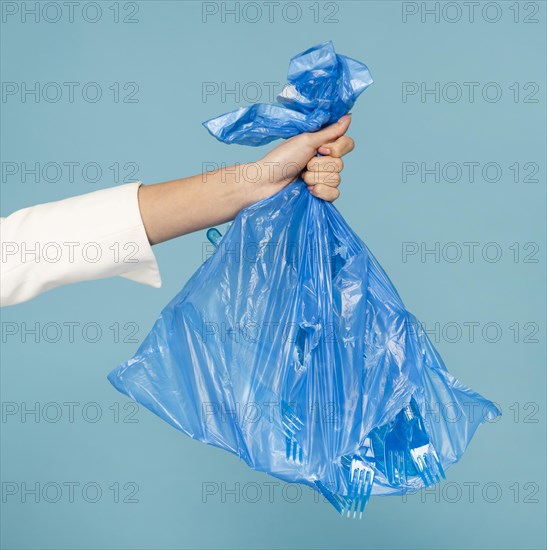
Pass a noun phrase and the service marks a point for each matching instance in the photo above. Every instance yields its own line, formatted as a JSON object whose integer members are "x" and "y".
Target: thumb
{"x": 330, "y": 133}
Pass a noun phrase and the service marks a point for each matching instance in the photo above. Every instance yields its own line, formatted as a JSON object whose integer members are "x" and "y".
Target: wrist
{"x": 262, "y": 180}
{"x": 254, "y": 182}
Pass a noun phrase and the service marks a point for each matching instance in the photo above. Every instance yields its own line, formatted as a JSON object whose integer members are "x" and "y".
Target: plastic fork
{"x": 361, "y": 477}
{"x": 395, "y": 459}
{"x": 427, "y": 463}
{"x": 292, "y": 425}
{"x": 407, "y": 440}
{"x": 422, "y": 452}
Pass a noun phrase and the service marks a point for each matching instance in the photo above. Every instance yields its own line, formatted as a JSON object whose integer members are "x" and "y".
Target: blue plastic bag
{"x": 291, "y": 348}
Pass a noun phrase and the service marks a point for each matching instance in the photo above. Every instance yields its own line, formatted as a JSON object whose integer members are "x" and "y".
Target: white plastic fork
{"x": 360, "y": 485}
{"x": 427, "y": 463}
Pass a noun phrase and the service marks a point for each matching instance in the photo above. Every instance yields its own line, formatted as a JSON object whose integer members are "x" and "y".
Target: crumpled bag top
{"x": 323, "y": 86}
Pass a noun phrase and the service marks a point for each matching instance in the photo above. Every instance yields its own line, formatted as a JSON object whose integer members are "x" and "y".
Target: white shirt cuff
{"x": 146, "y": 269}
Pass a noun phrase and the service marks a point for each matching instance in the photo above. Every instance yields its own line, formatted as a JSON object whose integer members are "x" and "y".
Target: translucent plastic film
{"x": 291, "y": 348}
{"x": 322, "y": 87}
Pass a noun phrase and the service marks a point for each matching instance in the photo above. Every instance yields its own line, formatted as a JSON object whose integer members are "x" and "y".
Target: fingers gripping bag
{"x": 290, "y": 347}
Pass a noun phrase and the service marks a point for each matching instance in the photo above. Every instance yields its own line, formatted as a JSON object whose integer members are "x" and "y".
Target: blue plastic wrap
{"x": 322, "y": 87}
{"x": 291, "y": 348}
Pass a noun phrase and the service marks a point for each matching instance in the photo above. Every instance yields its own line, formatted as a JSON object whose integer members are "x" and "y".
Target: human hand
{"x": 173, "y": 208}
{"x": 296, "y": 157}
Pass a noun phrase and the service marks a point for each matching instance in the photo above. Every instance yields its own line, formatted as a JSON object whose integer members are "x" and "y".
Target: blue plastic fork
{"x": 361, "y": 477}
{"x": 292, "y": 425}
{"x": 407, "y": 439}
{"x": 427, "y": 463}
{"x": 395, "y": 458}
{"x": 423, "y": 454}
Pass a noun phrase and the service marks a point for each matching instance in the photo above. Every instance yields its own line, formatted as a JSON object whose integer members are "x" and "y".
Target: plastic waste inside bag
{"x": 290, "y": 346}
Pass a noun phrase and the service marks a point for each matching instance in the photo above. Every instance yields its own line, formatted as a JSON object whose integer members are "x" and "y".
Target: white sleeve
{"x": 81, "y": 238}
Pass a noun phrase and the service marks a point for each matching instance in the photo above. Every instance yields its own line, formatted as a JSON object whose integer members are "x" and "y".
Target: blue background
{"x": 170, "y": 51}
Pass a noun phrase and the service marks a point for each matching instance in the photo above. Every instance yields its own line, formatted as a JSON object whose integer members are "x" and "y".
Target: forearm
{"x": 177, "y": 207}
